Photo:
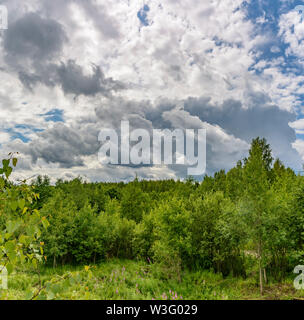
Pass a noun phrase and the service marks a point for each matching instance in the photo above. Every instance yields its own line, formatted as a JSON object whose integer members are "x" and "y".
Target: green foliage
{"x": 246, "y": 222}
{"x": 131, "y": 280}
{"x": 144, "y": 238}
{"x": 20, "y": 224}
{"x": 134, "y": 202}
{"x": 253, "y": 210}
{"x": 173, "y": 234}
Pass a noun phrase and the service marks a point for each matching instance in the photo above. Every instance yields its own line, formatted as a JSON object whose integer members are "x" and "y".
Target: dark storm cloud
{"x": 67, "y": 145}
{"x": 29, "y": 80}
{"x": 261, "y": 119}
{"x": 33, "y": 44}
{"x": 73, "y": 80}
{"x": 63, "y": 145}
{"x": 34, "y": 37}
{"x": 226, "y": 144}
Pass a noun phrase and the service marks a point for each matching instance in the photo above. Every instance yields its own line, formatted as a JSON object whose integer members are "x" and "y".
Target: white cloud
{"x": 299, "y": 146}
{"x": 292, "y": 32}
{"x": 297, "y": 125}
{"x": 205, "y": 49}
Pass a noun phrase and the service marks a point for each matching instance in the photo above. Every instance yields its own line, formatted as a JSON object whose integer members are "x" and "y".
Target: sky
{"x": 71, "y": 68}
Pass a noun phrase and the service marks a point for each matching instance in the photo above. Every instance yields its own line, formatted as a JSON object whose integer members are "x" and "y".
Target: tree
{"x": 234, "y": 180}
{"x": 256, "y": 183}
{"x": 134, "y": 202}
{"x": 264, "y": 149}
{"x": 43, "y": 188}
{"x": 20, "y": 224}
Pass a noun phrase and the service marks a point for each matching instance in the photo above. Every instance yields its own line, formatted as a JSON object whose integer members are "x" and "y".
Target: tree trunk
{"x": 265, "y": 277}
{"x": 260, "y": 268}
{"x": 261, "y": 282}
{"x": 54, "y": 262}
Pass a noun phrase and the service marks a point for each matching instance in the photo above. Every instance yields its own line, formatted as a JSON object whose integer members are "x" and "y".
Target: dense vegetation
{"x": 245, "y": 223}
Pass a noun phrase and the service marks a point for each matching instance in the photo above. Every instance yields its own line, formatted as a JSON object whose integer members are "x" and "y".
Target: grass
{"x": 131, "y": 280}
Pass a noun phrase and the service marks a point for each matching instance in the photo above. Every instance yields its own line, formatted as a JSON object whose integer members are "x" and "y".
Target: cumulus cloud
{"x": 104, "y": 23}
{"x": 292, "y": 32}
{"x": 35, "y": 43}
{"x": 261, "y": 119}
{"x": 299, "y": 146}
{"x": 158, "y": 65}
{"x": 230, "y": 129}
{"x": 73, "y": 80}
{"x": 298, "y": 125}
{"x": 35, "y": 38}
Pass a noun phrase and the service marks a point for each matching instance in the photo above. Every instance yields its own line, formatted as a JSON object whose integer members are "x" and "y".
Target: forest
{"x": 234, "y": 235}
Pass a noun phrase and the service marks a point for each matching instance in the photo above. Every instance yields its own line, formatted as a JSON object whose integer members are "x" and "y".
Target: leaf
{"x": 9, "y": 246}
{"x": 30, "y": 230}
{"x": 7, "y": 235}
{"x": 12, "y": 226}
{"x": 21, "y": 203}
{"x": 12, "y": 256}
{"x": 22, "y": 239}
{"x": 15, "y": 160}
{"x": 28, "y": 294}
{"x": 45, "y": 222}
{"x": 14, "y": 205}
{"x": 8, "y": 172}
{"x": 5, "y": 163}
{"x": 9, "y": 268}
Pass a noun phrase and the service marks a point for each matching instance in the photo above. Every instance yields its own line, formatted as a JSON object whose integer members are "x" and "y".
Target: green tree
{"x": 256, "y": 197}
{"x": 134, "y": 202}
{"x": 20, "y": 225}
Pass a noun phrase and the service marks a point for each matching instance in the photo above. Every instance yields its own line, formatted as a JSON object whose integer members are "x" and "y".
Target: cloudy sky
{"x": 70, "y": 68}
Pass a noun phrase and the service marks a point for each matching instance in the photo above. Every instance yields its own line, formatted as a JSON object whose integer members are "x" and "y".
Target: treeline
{"x": 247, "y": 220}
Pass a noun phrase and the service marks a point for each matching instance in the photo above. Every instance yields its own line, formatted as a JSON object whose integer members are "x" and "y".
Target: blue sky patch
{"x": 54, "y": 115}
{"x": 17, "y": 135}
{"x": 20, "y": 131}
{"x": 28, "y": 127}
{"x": 142, "y": 15}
